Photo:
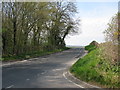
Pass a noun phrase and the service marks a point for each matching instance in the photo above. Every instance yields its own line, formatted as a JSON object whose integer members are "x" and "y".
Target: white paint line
{"x": 14, "y": 63}
{"x": 70, "y": 80}
{"x": 23, "y": 61}
{"x": 42, "y": 73}
{"x": 10, "y": 86}
{"x": 58, "y": 69}
{"x": 84, "y": 82}
{"x": 27, "y": 79}
{"x": 18, "y": 62}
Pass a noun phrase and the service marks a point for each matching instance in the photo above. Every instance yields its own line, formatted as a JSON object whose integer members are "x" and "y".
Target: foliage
{"x": 90, "y": 47}
{"x": 101, "y": 65}
{"x": 31, "y": 55}
{"x": 94, "y": 68}
{"x": 93, "y": 45}
{"x": 109, "y": 52}
{"x": 29, "y": 27}
{"x": 111, "y": 33}
{"x": 109, "y": 49}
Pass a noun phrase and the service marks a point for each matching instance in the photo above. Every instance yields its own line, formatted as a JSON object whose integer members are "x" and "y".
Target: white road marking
{"x": 14, "y": 63}
{"x": 70, "y": 80}
{"x": 10, "y": 86}
{"x": 84, "y": 82}
{"x": 17, "y": 62}
{"x": 27, "y": 79}
{"x": 42, "y": 73}
{"x": 23, "y": 61}
{"x": 58, "y": 69}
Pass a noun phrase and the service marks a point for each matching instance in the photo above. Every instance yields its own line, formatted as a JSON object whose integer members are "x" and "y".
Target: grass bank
{"x": 96, "y": 70}
{"x": 31, "y": 55}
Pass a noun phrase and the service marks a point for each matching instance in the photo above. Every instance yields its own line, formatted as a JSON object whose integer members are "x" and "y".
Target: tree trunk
{"x": 14, "y": 36}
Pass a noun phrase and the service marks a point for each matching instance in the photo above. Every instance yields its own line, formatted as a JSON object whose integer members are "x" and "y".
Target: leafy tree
{"x": 110, "y": 47}
{"x": 30, "y": 26}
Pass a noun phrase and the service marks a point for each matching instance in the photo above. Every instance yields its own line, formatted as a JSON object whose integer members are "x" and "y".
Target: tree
{"x": 30, "y": 27}
{"x": 110, "y": 48}
{"x": 111, "y": 32}
{"x": 61, "y": 23}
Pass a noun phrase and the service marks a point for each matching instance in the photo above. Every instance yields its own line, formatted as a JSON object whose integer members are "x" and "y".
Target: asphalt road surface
{"x": 43, "y": 72}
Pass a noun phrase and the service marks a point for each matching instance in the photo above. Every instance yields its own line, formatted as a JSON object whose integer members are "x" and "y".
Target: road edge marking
{"x": 10, "y": 86}
{"x": 71, "y": 81}
{"x": 84, "y": 82}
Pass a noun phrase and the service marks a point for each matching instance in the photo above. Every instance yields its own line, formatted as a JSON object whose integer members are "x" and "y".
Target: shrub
{"x": 93, "y": 45}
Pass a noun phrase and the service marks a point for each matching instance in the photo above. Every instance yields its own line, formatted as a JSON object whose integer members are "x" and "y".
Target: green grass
{"x": 93, "y": 68}
{"x": 31, "y": 55}
{"x": 90, "y": 47}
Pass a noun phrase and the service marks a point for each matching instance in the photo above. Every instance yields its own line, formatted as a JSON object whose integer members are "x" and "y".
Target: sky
{"x": 94, "y": 17}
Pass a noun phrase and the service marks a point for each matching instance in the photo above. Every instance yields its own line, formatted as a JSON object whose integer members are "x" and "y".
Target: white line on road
{"x": 24, "y": 61}
{"x": 58, "y": 69}
{"x": 43, "y": 73}
{"x": 10, "y": 86}
{"x": 70, "y": 80}
{"x": 84, "y": 82}
{"x": 14, "y": 63}
{"x": 27, "y": 79}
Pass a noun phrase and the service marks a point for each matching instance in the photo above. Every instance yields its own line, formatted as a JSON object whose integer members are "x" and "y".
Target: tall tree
{"x": 31, "y": 26}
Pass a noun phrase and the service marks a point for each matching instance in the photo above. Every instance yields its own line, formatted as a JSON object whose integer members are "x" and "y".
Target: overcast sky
{"x": 94, "y": 18}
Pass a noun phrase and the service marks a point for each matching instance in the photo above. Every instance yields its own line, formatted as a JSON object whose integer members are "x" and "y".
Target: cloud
{"x": 92, "y": 29}
{"x": 93, "y": 22}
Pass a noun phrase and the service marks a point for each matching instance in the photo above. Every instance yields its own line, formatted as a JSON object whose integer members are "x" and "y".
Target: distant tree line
{"x": 33, "y": 26}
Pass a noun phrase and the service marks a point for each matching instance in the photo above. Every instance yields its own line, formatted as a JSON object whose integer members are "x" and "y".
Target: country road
{"x": 43, "y": 72}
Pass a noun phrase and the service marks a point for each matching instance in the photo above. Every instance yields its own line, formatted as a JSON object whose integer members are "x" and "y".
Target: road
{"x": 43, "y": 72}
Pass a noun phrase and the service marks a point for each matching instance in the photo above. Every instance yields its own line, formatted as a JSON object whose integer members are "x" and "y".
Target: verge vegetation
{"x": 31, "y": 55}
{"x": 96, "y": 70}
{"x": 101, "y": 65}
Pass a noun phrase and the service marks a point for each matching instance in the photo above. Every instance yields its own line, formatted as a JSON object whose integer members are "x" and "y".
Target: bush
{"x": 93, "y": 45}
{"x": 109, "y": 52}
{"x": 90, "y": 47}
{"x": 95, "y": 68}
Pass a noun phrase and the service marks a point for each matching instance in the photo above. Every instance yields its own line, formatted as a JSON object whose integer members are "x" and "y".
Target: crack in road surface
{"x": 45, "y": 72}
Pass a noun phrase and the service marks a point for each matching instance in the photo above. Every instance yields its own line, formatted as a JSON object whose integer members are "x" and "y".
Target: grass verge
{"x": 31, "y": 55}
{"x": 96, "y": 70}
{"x": 90, "y": 47}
